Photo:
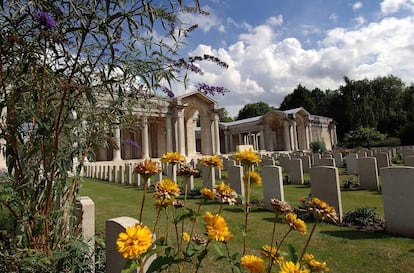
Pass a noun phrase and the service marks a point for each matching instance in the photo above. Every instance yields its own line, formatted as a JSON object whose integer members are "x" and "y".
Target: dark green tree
{"x": 254, "y": 109}
{"x": 224, "y": 115}
{"x": 301, "y": 97}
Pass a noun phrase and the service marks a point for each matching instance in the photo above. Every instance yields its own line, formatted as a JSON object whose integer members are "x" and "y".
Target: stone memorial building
{"x": 190, "y": 125}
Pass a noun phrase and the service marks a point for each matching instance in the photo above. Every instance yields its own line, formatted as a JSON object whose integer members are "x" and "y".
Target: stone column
{"x": 307, "y": 142}
{"x": 180, "y": 132}
{"x": 262, "y": 139}
{"x": 231, "y": 143}
{"x": 144, "y": 132}
{"x": 117, "y": 136}
{"x": 286, "y": 129}
{"x": 169, "y": 133}
{"x": 216, "y": 135}
{"x": 294, "y": 136}
{"x": 240, "y": 139}
{"x": 226, "y": 141}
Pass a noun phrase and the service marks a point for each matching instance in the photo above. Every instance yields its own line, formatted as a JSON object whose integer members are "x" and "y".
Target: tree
{"x": 301, "y": 97}
{"x": 254, "y": 109}
{"x": 69, "y": 72}
{"x": 224, "y": 115}
{"x": 363, "y": 137}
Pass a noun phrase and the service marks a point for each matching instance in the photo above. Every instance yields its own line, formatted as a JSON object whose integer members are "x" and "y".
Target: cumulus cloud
{"x": 356, "y": 5}
{"x": 264, "y": 67}
{"x": 275, "y": 21}
{"x": 392, "y": 6}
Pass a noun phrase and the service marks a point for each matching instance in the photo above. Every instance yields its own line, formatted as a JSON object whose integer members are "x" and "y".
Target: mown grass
{"x": 344, "y": 249}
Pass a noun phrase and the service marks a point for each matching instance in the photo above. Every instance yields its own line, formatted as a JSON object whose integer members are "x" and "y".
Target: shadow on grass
{"x": 354, "y": 234}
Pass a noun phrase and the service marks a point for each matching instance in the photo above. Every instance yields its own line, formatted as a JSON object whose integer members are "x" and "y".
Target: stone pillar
{"x": 240, "y": 139}
{"x": 180, "y": 132}
{"x": 287, "y": 135}
{"x": 226, "y": 141}
{"x": 307, "y": 138}
{"x": 262, "y": 145}
{"x": 86, "y": 212}
{"x": 294, "y": 136}
{"x": 216, "y": 134}
{"x": 169, "y": 133}
{"x": 145, "y": 143}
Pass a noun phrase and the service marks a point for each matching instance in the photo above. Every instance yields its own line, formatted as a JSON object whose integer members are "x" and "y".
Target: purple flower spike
{"x": 45, "y": 19}
{"x": 130, "y": 142}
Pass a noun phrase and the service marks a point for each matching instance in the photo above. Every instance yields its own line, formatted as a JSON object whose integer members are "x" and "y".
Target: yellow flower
{"x": 295, "y": 223}
{"x": 253, "y": 263}
{"x": 322, "y": 210}
{"x": 290, "y": 267}
{"x": 212, "y": 161}
{"x": 314, "y": 264}
{"x": 272, "y": 253}
{"x": 147, "y": 168}
{"x": 216, "y": 227}
{"x": 225, "y": 193}
{"x": 162, "y": 203}
{"x": 186, "y": 236}
{"x": 255, "y": 178}
{"x": 172, "y": 158}
{"x": 166, "y": 189}
{"x": 247, "y": 157}
{"x": 134, "y": 241}
{"x": 207, "y": 193}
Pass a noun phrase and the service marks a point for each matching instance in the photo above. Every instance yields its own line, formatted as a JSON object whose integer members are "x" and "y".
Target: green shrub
{"x": 362, "y": 217}
{"x": 318, "y": 146}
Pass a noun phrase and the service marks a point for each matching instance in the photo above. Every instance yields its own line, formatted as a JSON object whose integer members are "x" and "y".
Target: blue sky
{"x": 271, "y": 46}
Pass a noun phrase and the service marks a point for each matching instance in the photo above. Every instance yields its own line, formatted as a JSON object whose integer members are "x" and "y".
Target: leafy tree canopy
{"x": 254, "y": 109}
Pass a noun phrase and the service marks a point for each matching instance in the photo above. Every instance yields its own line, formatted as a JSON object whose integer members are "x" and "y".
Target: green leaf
{"x": 130, "y": 266}
{"x": 160, "y": 262}
{"x": 293, "y": 254}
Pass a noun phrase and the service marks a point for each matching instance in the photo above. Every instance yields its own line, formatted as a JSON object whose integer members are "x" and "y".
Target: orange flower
{"x": 212, "y": 161}
{"x": 147, "y": 168}
{"x": 216, "y": 227}
{"x": 253, "y": 263}
{"x": 172, "y": 158}
{"x": 295, "y": 223}
{"x": 247, "y": 157}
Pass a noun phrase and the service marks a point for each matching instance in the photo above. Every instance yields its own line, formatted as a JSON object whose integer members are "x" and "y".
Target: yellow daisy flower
{"x": 147, "y": 168}
{"x": 314, "y": 264}
{"x": 247, "y": 157}
{"x": 166, "y": 189}
{"x": 253, "y": 263}
{"x": 212, "y": 161}
{"x": 207, "y": 193}
{"x": 321, "y": 210}
{"x": 272, "y": 253}
{"x": 255, "y": 178}
{"x": 134, "y": 241}
{"x": 295, "y": 223}
{"x": 216, "y": 227}
{"x": 290, "y": 267}
{"x": 186, "y": 236}
{"x": 172, "y": 158}
{"x": 225, "y": 193}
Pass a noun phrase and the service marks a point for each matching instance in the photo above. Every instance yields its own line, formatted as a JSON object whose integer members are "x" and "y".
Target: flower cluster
{"x": 225, "y": 193}
{"x": 273, "y": 254}
{"x": 217, "y": 228}
{"x": 212, "y": 161}
{"x": 136, "y": 240}
{"x": 295, "y": 223}
{"x": 211, "y": 90}
{"x": 147, "y": 168}
{"x": 207, "y": 193}
{"x": 172, "y": 158}
{"x": 291, "y": 267}
{"x": 188, "y": 171}
{"x": 166, "y": 189}
{"x": 247, "y": 157}
{"x": 315, "y": 265}
{"x": 255, "y": 178}
{"x": 321, "y": 210}
{"x": 280, "y": 206}
{"x": 130, "y": 142}
{"x": 45, "y": 19}
{"x": 253, "y": 263}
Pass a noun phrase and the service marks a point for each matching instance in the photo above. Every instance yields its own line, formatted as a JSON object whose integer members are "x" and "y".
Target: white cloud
{"x": 263, "y": 68}
{"x": 275, "y": 20}
{"x": 392, "y": 6}
{"x": 206, "y": 23}
{"x": 356, "y": 5}
{"x": 333, "y": 17}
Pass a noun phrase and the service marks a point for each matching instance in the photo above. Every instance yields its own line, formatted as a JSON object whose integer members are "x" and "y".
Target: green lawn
{"x": 344, "y": 249}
